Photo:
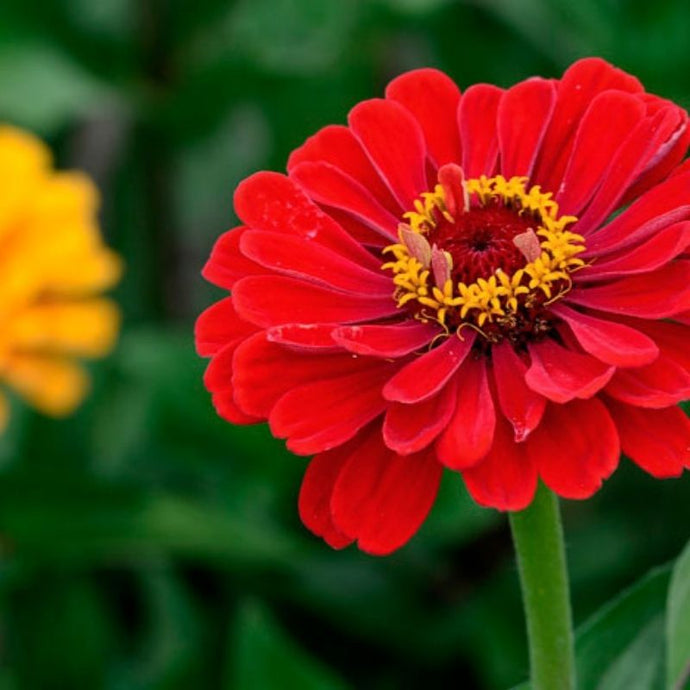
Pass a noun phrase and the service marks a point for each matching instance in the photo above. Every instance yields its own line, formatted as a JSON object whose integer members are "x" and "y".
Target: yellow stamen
{"x": 499, "y": 296}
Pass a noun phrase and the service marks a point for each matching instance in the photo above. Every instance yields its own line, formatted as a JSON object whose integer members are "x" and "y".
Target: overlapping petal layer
{"x": 312, "y": 340}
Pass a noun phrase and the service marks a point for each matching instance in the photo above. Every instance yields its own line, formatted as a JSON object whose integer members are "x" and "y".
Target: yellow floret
{"x": 54, "y": 268}
{"x": 497, "y": 295}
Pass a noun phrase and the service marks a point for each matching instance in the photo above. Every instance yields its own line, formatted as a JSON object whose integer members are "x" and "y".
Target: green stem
{"x": 538, "y": 539}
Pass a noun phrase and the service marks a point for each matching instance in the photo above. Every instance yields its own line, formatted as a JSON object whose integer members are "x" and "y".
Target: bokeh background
{"x": 146, "y": 544}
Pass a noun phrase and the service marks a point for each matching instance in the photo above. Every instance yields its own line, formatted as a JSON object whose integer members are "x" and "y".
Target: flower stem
{"x": 538, "y": 538}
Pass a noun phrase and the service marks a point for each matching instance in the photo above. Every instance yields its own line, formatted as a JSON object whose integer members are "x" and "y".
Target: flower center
{"x": 486, "y": 253}
{"x": 481, "y": 242}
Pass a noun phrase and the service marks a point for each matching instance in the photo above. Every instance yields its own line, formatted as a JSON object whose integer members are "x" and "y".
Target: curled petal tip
{"x": 452, "y": 178}
{"x": 441, "y": 265}
{"x": 416, "y": 244}
{"x": 528, "y": 244}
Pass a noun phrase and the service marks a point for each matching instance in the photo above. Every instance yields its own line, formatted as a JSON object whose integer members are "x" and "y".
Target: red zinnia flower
{"x": 495, "y": 282}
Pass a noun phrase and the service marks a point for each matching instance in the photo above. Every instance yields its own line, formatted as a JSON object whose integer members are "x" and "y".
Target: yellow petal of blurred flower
{"x": 24, "y": 162}
{"x": 86, "y": 328}
{"x": 52, "y": 384}
{"x": 54, "y": 266}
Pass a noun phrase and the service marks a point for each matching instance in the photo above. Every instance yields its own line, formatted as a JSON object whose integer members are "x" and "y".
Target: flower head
{"x": 495, "y": 282}
{"x": 54, "y": 267}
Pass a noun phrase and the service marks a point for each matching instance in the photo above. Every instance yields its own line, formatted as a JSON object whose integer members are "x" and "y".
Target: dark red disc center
{"x": 481, "y": 241}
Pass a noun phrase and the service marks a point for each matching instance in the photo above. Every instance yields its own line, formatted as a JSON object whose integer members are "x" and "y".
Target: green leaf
{"x": 170, "y": 651}
{"x": 86, "y": 524}
{"x": 7, "y": 680}
{"x": 205, "y": 171}
{"x": 678, "y": 624}
{"x": 71, "y": 614}
{"x": 641, "y": 665}
{"x": 43, "y": 89}
{"x": 292, "y": 36}
{"x": 264, "y": 657}
{"x": 416, "y": 6}
{"x": 621, "y": 646}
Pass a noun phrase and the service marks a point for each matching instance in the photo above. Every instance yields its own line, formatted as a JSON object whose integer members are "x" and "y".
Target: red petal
{"x": 575, "y": 447}
{"x": 272, "y": 202}
{"x": 381, "y": 498}
{"x": 275, "y": 300}
{"x": 659, "y": 384}
{"x": 395, "y": 340}
{"x": 523, "y": 115}
{"x": 683, "y": 317}
{"x": 669, "y": 155}
{"x": 599, "y": 136}
{"x": 470, "y": 433}
{"x": 315, "y": 495}
{"x": 506, "y": 478}
{"x": 303, "y": 259}
{"x": 561, "y": 374}
{"x": 327, "y": 185}
{"x": 395, "y": 145}
{"x": 654, "y": 295}
{"x": 337, "y": 145}
{"x": 410, "y": 428}
{"x": 672, "y": 339}
{"x": 625, "y": 166}
{"x": 657, "y": 251}
{"x": 522, "y": 407}
{"x": 226, "y": 264}
{"x": 577, "y": 88}
{"x": 262, "y": 371}
{"x": 219, "y": 326}
{"x": 609, "y": 341}
{"x": 433, "y": 98}
{"x": 477, "y": 123}
{"x": 682, "y": 169}
{"x": 427, "y": 374}
{"x": 323, "y": 414}
{"x": 658, "y": 208}
{"x": 656, "y": 440}
{"x": 226, "y": 407}
{"x": 218, "y": 381}
{"x": 358, "y": 230}
{"x": 305, "y": 337}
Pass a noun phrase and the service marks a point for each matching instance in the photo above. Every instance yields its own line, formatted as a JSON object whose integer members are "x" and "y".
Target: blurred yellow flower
{"x": 53, "y": 267}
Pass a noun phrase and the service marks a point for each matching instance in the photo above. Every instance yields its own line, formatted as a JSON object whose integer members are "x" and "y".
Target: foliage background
{"x": 146, "y": 544}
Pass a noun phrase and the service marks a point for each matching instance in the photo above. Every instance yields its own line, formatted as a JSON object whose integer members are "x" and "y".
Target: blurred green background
{"x": 144, "y": 543}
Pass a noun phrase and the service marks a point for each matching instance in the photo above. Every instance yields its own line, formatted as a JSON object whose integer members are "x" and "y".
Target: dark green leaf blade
{"x": 678, "y": 624}
{"x": 607, "y": 646}
{"x": 262, "y": 656}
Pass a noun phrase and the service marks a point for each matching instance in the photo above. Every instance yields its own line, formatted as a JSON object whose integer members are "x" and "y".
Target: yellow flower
{"x": 53, "y": 267}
